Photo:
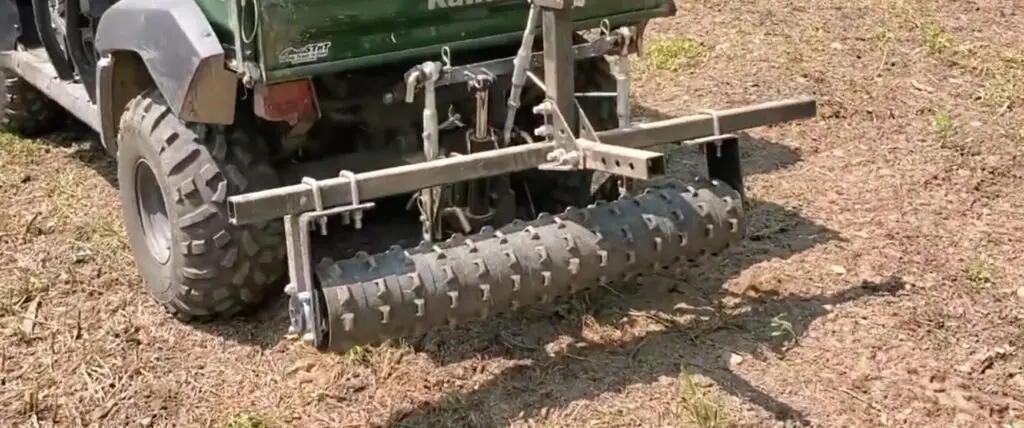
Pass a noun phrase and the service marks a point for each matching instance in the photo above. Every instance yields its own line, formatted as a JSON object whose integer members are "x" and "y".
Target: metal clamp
{"x": 717, "y": 137}
{"x": 355, "y": 211}
{"x": 318, "y": 202}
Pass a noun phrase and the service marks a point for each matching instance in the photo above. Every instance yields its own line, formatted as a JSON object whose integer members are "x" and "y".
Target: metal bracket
{"x": 304, "y": 306}
{"x": 716, "y": 137}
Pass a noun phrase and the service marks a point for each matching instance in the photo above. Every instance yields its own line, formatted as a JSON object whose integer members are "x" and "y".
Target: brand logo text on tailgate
{"x": 446, "y": 4}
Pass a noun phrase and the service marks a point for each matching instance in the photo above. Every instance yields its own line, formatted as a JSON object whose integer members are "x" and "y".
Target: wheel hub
{"x": 152, "y": 212}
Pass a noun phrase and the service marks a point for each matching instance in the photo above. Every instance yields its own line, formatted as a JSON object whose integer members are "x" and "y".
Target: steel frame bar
{"x": 279, "y": 202}
{"x": 559, "y": 68}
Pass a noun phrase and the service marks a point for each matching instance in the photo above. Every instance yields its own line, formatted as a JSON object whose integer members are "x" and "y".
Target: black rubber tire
{"x": 26, "y": 111}
{"x": 211, "y": 269}
{"x": 554, "y": 191}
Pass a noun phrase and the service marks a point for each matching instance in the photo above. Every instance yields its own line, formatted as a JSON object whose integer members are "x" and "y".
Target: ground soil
{"x": 879, "y": 284}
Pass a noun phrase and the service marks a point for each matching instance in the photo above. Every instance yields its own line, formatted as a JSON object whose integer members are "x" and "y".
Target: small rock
{"x": 80, "y": 257}
{"x": 839, "y": 270}
{"x": 735, "y": 359}
{"x": 301, "y": 366}
{"x": 1020, "y": 292}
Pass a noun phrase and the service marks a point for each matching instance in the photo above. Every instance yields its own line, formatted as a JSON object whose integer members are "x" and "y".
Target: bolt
{"x": 544, "y": 108}
{"x": 571, "y": 158}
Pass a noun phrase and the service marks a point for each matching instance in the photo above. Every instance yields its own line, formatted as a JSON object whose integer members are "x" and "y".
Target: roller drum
{"x": 404, "y": 292}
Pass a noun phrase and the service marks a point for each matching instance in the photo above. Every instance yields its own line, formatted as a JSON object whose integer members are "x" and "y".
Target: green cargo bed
{"x": 297, "y": 38}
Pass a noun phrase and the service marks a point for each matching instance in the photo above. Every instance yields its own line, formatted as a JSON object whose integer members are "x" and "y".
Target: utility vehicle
{"x": 240, "y": 126}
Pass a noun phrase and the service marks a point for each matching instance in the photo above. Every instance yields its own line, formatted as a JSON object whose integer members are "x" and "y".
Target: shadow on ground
{"x": 556, "y": 382}
{"x": 586, "y": 370}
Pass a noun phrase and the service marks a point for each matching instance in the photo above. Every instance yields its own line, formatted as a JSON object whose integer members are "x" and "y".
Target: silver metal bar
{"x": 428, "y": 197}
{"x": 520, "y": 66}
{"x": 622, "y": 104}
{"x": 559, "y": 68}
{"x": 624, "y": 161}
{"x": 276, "y": 203}
{"x": 696, "y": 126}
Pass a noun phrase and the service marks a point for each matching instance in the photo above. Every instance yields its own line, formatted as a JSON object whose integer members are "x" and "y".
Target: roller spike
{"x": 542, "y": 254}
{"x": 511, "y": 258}
{"x": 650, "y": 221}
{"x": 417, "y": 284}
{"x": 481, "y": 268}
{"x": 420, "y": 307}
{"x": 627, "y": 234}
{"x": 449, "y": 274}
{"x": 570, "y": 242}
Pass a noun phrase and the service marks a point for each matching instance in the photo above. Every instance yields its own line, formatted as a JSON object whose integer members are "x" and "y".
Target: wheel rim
{"x": 152, "y": 212}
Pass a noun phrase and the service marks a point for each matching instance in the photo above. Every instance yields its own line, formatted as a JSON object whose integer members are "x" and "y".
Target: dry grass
{"x": 880, "y": 284}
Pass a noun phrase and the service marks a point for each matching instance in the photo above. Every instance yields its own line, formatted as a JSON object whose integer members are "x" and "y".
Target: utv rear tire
{"x": 174, "y": 182}
{"x": 24, "y": 110}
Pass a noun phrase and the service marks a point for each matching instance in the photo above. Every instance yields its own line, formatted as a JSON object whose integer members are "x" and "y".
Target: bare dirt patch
{"x": 879, "y": 285}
